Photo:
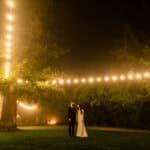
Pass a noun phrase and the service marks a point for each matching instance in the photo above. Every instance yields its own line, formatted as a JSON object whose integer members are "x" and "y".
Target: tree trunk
{"x": 9, "y": 110}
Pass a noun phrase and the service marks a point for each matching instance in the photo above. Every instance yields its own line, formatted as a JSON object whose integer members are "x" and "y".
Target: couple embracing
{"x": 76, "y": 114}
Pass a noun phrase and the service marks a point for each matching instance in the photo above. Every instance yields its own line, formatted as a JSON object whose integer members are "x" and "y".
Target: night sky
{"x": 91, "y": 29}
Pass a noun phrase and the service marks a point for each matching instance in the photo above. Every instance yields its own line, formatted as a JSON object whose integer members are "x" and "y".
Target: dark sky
{"x": 91, "y": 28}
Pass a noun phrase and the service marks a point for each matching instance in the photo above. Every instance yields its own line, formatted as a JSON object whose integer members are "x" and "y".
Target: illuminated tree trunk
{"x": 9, "y": 110}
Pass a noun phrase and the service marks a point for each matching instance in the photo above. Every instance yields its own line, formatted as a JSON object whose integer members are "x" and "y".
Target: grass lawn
{"x": 56, "y": 138}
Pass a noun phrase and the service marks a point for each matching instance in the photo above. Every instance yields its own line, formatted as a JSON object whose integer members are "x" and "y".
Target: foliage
{"x": 36, "y": 46}
{"x": 117, "y": 104}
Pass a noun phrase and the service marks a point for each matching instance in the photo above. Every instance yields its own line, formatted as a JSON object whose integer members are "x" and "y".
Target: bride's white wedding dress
{"x": 81, "y": 129}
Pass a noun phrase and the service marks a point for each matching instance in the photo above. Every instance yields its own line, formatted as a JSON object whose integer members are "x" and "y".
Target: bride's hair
{"x": 81, "y": 108}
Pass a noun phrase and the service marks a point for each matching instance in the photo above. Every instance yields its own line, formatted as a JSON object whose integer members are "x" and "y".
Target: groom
{"x": 71, "y": 118}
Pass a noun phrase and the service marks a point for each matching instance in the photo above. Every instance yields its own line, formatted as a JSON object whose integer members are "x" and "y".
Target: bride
{"x": 81, "y": 129}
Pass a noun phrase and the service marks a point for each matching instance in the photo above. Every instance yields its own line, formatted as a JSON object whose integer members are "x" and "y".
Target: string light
{"x": 8, "y": 36}
{"x": 27, "y": 107}
{"x": 114, "y": 78}
{"x": 86, "y": 80}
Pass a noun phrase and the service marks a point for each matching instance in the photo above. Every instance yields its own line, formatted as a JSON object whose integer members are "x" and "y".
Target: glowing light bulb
{"x": 8, "y": 50}
{"x": 98, "y": 79}
{"x": 54, "y": 82}
{"x": 106, "y": 78}
{"x": 10, "y": 4}
{"x": 68, "y": 81}
{"x": 8, "y": 36}
{"x": 9, "y": 28}
{"x": 114, "y": 78}
{"x": 61, "y": 81}
{"x": 146, "y": 75}
{"x": 20, "y": 81}
{"x": 10, "y": 17}
{"x": 138, "y": 76}
{"x": 8, "y": 56}
{"x": 76, "y": 81}
{"x": 122, "y": 77}
{"x": 91, "y": 80}
{"x": 8, "y": 44}
{"x": 130, "y": 77}
{"x": 83, "y": 80}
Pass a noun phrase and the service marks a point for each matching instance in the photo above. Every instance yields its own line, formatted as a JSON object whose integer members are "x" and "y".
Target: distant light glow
{"x": 52, "y": 122}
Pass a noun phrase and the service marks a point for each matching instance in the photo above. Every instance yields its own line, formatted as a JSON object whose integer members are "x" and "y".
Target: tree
{"x": 36, "y": 51}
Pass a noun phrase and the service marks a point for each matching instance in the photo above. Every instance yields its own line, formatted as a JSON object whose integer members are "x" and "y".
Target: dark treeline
{"x": 118, "y": 105}
{"x": 112, "y": 104}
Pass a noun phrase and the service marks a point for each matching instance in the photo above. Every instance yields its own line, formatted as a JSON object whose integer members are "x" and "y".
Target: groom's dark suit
{"x": 72, "y": 120}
